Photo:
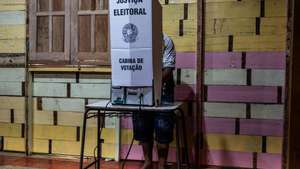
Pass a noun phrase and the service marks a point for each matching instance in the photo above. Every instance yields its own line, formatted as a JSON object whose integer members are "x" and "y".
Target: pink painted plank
{"x": 136, "y": 153}
{"x": 269, "y": 161}
{"x": 223, "y": 60}
{"x": 126, "y": 123}
{"x": 255, "y": 94}
{"x": 266, "y": 60}
{"x": 185, "y": 92}
{"x": 227, "y": 159}
{"x": 260, "y": 127}
{"x": 219, "y": 125}
{"x": 186, "y": 60}
{"x": 231, "y": 60}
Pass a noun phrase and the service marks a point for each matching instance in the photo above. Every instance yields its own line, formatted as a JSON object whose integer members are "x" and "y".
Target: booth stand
{"x": 106, "y": 109}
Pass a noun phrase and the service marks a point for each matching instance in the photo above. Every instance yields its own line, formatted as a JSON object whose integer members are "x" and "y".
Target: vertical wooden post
{"x": 291, "y": 149}
{"x": 200, "y": 80}
{"x": 28, "y": 88}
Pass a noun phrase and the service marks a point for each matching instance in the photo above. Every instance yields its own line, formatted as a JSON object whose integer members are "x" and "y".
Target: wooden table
{"x": 104, "y": 108}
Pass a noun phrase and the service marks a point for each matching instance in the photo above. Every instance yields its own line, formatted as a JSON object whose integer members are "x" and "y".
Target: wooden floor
{"x": 57, "y": 163}
{"x": 45, "y": 163}
{"x": 51, "y": 163}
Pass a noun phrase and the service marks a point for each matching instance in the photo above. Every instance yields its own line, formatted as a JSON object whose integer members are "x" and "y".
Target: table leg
{"x": 178, "y": 159}
{"x": 99, "y": 126}
{"x": 83, "y": 138}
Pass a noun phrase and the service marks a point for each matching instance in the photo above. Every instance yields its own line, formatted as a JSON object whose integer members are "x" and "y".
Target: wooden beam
{"x": 71, "y": 69}
{"x": 200, "y": 80}
{"x": 291, "y": 148}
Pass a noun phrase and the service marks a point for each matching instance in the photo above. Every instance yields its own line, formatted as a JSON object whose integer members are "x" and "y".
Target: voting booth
{"x": 136, "y": 46}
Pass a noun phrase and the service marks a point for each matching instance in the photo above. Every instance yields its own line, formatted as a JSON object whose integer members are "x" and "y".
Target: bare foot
{"x": 147, "y": 165}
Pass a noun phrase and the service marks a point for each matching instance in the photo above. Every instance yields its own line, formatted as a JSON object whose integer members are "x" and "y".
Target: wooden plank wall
{"x": 244, "y": 78}
{"x": 12, "y": 80}
{"x": 59, "y": 111}
{"x": 59, "y": 98}
{"x": 12, "y": 32}
{"x": 244, "y": 61}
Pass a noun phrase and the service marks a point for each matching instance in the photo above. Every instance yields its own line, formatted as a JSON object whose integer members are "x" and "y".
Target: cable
{"x": 131, "y": 144}
{"x": 101, "y": 128}
{"x": 128, "y": 152}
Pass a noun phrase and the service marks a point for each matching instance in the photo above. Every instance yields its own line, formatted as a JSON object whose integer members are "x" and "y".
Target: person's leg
{"x": 164, "y": 125}
{"x": 147, "y": 150}
{"x": 162, "y": 150}
{"x": 143, "y": 132}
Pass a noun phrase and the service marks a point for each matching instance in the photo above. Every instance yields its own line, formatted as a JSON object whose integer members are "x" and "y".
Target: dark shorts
{"x": 145, "y": 124}
{"x": 160, "y": 125}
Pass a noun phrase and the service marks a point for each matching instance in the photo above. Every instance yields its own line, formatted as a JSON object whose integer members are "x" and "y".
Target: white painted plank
{"x": 268, "y": 77}
{"x": 11, "y": 88}
{"x": 226, "y": 77}
{"x": 263, "y": 111}
{"x": 188, "y": 76}
{"x": 50, "y": 89}
{"x": 94, "y": 78}
{"x": 230, "y": 110}
{"x": 12, "y": 17}
{"x": 90, "y": 90}
{"x": 60, "y": 104}
{"x": 55, "y": 78}
{"x": 12, "y": 74}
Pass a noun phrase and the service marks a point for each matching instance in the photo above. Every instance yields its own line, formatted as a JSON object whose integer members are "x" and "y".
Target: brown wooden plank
{"x": 105, "y": 4}
{"x": 58, "y": 5}
{"x": 101, "y": 33}
{"x": 93, "y": 38}
{"x": 58, "y": 32}
{"x": 291, "y": 147}
{"x": 74, "y": 30}
{"x": 43, "y": 5}
{"x": 32, "y": 29}
{"x": 43, "y": 34}
{"x": 68, "y": 29}
{"x": 94, "y": 58}
{"x": 200, "y": 88}
{"x": 87, "y": 5}
{"x": 84, "y": 25}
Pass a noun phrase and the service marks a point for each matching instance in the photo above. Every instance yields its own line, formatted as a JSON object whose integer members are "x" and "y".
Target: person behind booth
{"x": 162, "y": 124}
